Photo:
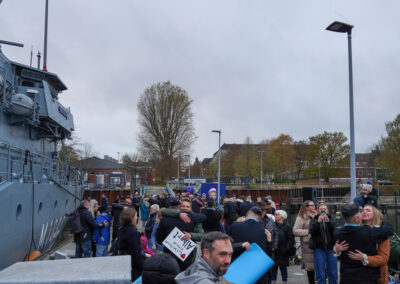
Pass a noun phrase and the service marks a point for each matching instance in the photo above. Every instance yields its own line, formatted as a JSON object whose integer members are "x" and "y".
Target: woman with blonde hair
{"x": 371, "y": 216}
{"x": 300, "y": 229}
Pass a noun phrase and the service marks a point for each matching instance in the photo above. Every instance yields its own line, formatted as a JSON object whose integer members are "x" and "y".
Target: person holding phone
{"x": 322, "y": 241}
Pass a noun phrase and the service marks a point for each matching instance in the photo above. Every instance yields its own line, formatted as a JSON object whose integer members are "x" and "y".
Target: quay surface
{"x": 97, "y": 266}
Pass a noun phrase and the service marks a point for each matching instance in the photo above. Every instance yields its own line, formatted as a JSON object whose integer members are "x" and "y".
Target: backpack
{"x": 76, "y": 225}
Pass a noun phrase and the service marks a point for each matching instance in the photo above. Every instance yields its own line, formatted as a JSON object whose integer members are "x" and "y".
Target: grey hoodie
{"x": 200, "y": 272}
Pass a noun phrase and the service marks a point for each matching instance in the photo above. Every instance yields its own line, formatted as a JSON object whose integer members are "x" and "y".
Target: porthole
{"x": 40, "y": 207}
{"x": 19, "y": 211}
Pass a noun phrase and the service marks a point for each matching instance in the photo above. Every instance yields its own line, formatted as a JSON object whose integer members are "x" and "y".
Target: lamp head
{"x": 339, "y": 27}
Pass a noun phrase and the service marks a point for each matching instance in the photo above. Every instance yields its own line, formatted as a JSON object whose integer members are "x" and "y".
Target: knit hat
{"x": 366, "y": 187}
{"x": 155, "y": 207}
{"x": 282, "y": 213}
{"x": 211, "y": 190}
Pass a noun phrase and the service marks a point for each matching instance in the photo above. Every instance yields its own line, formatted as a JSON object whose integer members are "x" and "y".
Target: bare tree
{"x": 166, "y": 121}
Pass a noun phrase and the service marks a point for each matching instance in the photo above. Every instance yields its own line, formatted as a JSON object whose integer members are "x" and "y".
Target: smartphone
{"x": 323, "y": 212}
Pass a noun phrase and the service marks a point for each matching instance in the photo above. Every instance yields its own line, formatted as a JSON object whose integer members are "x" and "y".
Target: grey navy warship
{"x": 37, "y": 187}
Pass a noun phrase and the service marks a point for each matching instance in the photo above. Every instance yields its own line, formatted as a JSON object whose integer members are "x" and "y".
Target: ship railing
{"x": 17, "y": 165}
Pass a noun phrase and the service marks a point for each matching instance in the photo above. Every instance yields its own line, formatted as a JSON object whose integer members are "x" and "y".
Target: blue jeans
{"x": 101, "y": 250}
{"x": 324, "y": 260}
{"x": 284, "y": 272}
{"x": 84, "y": 249}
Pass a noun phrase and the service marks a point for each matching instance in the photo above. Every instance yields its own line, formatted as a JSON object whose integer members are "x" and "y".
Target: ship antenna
{"x": 45, "y": 38}
{"x": 38, "y": 58}
{"x": 31, "y": 55}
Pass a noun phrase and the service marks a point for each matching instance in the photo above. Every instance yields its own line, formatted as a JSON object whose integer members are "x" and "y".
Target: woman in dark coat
{"x": 129, "y": 241}
{"x": 285, "y": 246}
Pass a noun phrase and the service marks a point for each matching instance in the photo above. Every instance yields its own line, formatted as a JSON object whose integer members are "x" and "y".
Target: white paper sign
{"x": 179, "y": 247}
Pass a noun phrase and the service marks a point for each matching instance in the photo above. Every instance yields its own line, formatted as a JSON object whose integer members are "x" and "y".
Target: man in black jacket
{"x": 245, "y": 206}
{"x": 362, "y": 238}
{"x": 83, "y": 239}
{"x": 249, "y": 231}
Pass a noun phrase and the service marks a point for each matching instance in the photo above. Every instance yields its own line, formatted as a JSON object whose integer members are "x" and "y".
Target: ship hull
{"x": 37, "y": 208}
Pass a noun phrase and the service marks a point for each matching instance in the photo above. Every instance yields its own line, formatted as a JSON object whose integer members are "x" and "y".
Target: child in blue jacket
{"x": 102, "y": 236}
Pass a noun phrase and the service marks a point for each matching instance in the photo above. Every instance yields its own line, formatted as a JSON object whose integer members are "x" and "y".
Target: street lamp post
{"x": 219, "y": 161}
{"x": 346, "y": 28}
{"x": 189, "y": 167}
{"x": 178, "y": 172}
{"x": 261, "y": 181}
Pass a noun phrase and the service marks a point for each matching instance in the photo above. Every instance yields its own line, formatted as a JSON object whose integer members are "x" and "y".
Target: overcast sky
{"x": 253, "y": 68}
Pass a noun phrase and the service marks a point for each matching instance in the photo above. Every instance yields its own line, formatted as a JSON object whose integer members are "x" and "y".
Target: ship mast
{"x": 45, "y": 37}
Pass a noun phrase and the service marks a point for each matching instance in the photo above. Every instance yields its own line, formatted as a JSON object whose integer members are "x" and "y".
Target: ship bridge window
{"x": 28, "y": 84}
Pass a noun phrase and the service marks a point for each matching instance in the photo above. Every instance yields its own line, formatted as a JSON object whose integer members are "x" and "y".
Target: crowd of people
{"x": 138, "y": 225}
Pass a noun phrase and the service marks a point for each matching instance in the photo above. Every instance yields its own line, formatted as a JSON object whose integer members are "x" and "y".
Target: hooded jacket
{"x": 101, "y": 236}
{"x": 145, "y": 248}
{"x": 199, "y": 272}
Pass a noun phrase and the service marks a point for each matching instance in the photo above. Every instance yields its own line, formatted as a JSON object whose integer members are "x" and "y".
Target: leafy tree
{"x": 166, "y": 125}
{"x": 281, "y": 156}
{"x": 211, "y": 169}
{"x": 132, "y": 162}
{"x": 165, "y": 168}
{"x": 329, "y": 151}
{"x": 388, "y": 150}
{"x": 246, "y": 163}
{"x": 300, "y": 147}
{"x": 165, "y": 120}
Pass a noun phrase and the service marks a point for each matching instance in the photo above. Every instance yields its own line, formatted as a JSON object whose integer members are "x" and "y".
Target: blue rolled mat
{"x": 249, "y": 266}
{"x": 138, "y": 280}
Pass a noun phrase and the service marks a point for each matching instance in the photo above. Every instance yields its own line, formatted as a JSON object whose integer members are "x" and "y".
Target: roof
{"x": 238, "y": 147}
{"x": 38, "y": 74}
{"x": 363, "y": 157}
{"x": 97, "y": 163}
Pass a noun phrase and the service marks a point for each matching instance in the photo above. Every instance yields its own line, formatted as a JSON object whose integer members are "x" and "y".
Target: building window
{"x": 360, "y": 172}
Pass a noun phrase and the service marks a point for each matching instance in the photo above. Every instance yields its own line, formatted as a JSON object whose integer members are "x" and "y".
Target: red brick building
{"x": 108, "y": 173}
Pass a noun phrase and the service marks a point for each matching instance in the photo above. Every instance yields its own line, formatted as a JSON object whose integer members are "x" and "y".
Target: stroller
{"x": 296, "y": 259}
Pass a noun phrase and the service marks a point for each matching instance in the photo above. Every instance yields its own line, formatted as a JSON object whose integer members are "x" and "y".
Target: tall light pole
{"x": 346, "y": 28}
{"x": 189, "y": 166}
{"x": 178, "y": 172}
{"x": 219, "y": 161}
{"x": 261, "y": 153}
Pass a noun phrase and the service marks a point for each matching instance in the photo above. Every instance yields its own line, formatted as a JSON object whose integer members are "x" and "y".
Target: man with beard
{"x": 217, "y": 253}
